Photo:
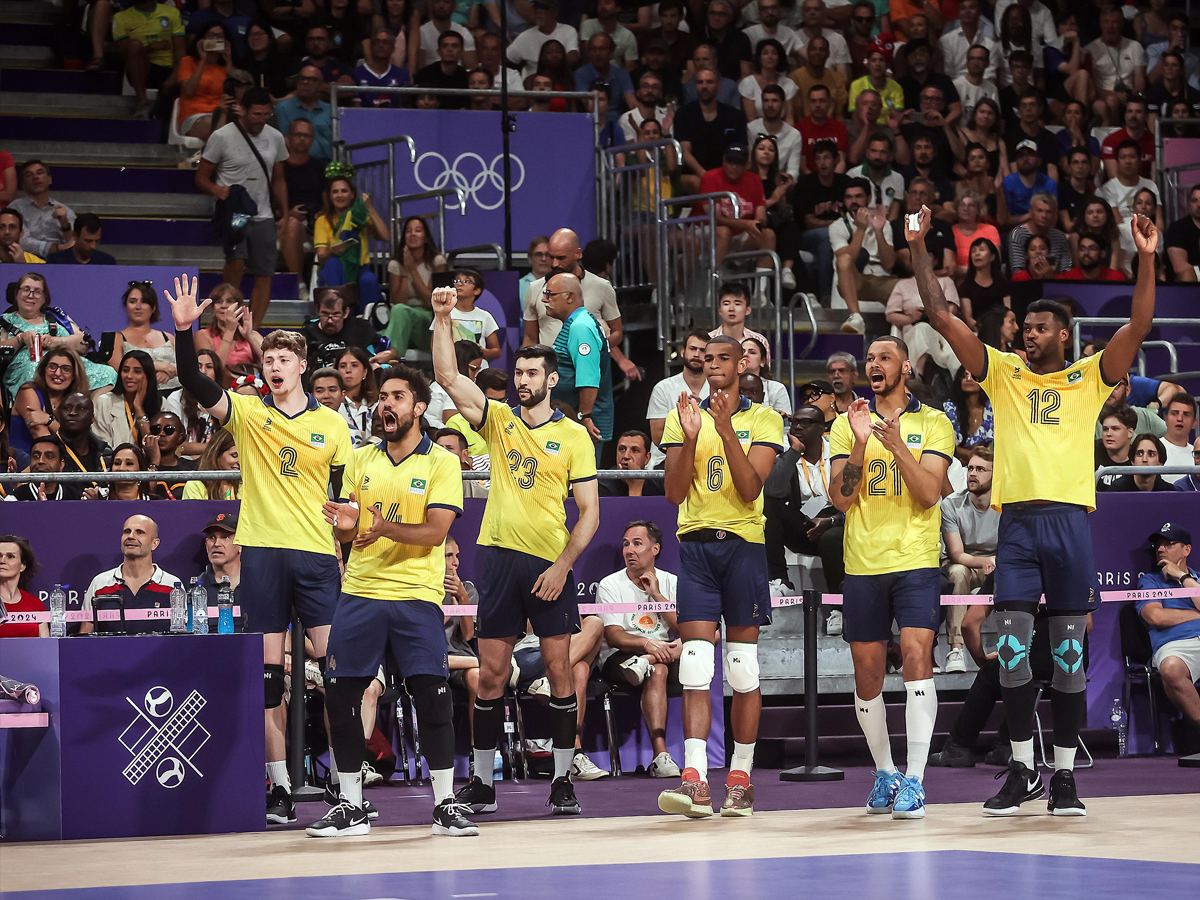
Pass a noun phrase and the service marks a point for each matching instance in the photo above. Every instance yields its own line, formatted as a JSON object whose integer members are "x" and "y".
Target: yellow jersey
{"x": 403, "y": 492}
{"x": 532, "y": 471}
{"x": 476, "y": 445}
{"x": 887, "y": 530}
{"x": 1045, "y": 428}
{"x": 286, "y": 463}
{"x": 712, "y": 501}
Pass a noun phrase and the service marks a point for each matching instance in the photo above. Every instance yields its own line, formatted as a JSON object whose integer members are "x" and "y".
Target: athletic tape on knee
{"x": 431, "y": 695}
{"x": 1013, "y": 641}
{"x": 1068, "y": 634}
{"x": 741, "y": 666}
{"x": 563, "y": 714}
{"x": 273, "y": 685}
{"x": 697, "y": 665}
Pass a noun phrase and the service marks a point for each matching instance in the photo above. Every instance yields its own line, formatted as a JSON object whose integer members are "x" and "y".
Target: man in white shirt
{"x": 648, "y": 100}
{"x": 975, "y": 84}
{"x": 1041, "y": 17}
{"x": 439, "y": 22}
{"x": 1118, "y": 66}
{"x": 527, "y": 46}
{"x": 862, "y": 253}
{"x": 641, "y": 652}
{"x": 839, "y": 50}
{"x": 1180, "y": 416}
{"x": 770, "y": 14}
{"x": 886, "y": 184}
{"x": 625, "y": 53}
{"x": 788, "y": 141}
{"x": 955, "y": 44}
{"x": 1119, "y": 192}
{"x": 136, "y": 584}
{"x": 666, "y": 393}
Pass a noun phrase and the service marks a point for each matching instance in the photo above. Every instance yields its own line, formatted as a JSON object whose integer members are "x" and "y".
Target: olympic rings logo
{"x": 469, "y": 174}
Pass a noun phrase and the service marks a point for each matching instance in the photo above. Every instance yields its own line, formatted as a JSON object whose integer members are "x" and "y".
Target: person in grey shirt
{"x": 970, "y": 532}
{"x": 228, "y": 160}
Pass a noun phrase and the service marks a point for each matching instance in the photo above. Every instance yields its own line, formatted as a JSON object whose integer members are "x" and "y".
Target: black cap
{"x": 222, "y": 521}
{"x": 737, "y": 153}
{"x": 1171, "y": 533}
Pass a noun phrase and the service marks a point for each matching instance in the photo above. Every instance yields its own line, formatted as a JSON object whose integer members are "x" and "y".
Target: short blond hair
{"x": 286, "y": 340}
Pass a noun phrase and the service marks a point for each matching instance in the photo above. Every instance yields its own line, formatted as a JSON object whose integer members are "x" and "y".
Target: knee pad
{"x": 697, "y": 665}
{"x": 741, "y": 666}
{"x": 1014, "y": 638}
{"x": 1068, "y": 635}
{"x": 273, "y": 685}
{"x": 431, "y": 696}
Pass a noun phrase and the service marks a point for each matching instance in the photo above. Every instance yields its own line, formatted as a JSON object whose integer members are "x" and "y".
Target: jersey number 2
{"x": 1043, "y": 405}
{"x": 287, "y": 462}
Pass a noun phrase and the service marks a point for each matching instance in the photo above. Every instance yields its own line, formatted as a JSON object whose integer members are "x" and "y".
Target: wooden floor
{"x": 1159, "y": 829}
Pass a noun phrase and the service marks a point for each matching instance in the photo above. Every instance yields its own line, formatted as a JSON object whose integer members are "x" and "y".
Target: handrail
{"x": 235, "y": 475}
{"x": 692, "y": 199}
{"x": 1147, "y": 470}
{"x": 381, "y": 142}
{"x": 645, "y": 145}
{"x": 439, "y": 194}
{"x": 1172, "y": 356}
{"x": 496, "y": 249}
{"x": 1112, "y": 320}
{"x": 812, "y": 320}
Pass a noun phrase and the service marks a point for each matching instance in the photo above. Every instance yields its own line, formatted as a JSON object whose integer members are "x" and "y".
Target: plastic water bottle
{"x": 1120, "y": 721}
{"x": 199, "y": 608}
{"x": 58, "y": 611}
{"x": 498, "y": 768}
{"x": 179, "y": 610}
{"x": 224, "y": 607}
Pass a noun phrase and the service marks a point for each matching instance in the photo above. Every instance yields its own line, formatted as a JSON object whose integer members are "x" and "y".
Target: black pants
{"x": 787, "y": 529}
{"x": 977, "y": 707}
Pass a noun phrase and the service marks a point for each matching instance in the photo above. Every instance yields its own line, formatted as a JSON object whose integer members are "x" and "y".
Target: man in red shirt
{"x": 818, "y": 126}
{"x": 747, "y": 230}
{"x": 1135, "y": 130}
{"x": 1090, "y": 256}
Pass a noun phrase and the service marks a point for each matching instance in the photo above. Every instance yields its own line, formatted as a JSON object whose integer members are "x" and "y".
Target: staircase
{"x": 106, "y": 162}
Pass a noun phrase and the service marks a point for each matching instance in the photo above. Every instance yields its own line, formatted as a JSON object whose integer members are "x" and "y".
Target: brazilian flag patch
{"x": 552, "y": 447}
{"x": 743, "y": 435}
{"x": 1074, "y": 377}
{"x": 417, "y": 486}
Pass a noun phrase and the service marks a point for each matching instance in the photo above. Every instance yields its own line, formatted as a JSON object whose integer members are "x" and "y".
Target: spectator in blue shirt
{"x": 1021, "y": 185}
{"x": 306, "y": 103}
{"x": 600, "y": 74}
{"x": 85, "y": 251}
{"x": 377, "y": 70}
{"x": 584, "y": 363}
{"x": 1191, "y": 482}
{"x": 1174, "y": 622}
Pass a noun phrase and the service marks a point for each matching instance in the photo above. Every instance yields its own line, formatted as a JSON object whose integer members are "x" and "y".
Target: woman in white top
{"x": 141, "y": 309}
{"x": 410, "y": 287}
{"x": 770, "y": 67}
{"x": 774, "y": 394}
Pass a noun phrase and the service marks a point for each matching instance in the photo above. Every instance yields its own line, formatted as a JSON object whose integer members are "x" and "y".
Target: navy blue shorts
{"x": 724, "y": 579}
{"x": 506, "y": 597}
{"x": 365, "y": 630}
{"x": 1046, "y": 549}
{"x": 871, "y": 602}
{"x": 274, "y": 579}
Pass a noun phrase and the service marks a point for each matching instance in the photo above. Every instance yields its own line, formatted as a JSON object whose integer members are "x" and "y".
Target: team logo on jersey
{"x": 743, "y": 436}
{"x": 1073, "y": 377}
{"x": 267, "y": 424}
{"x": 585, "y": 349}
{"x": 1016, "y": 374}
{"x": 914, "y": 440}
{"x": 508, "y": 428}
{"x": 417, "y": 486}
{"x": 366, "y": 481}
{"x": 164, "y": 22}
{"x": 552, "y": 447}
{"x": 316, "y": 440}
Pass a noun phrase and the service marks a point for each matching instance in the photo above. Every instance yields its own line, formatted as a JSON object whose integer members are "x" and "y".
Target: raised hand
{"x": 888, "y": 432}
{"x": 1145, "y": 235}
{"x": 184, "y": 308}
{"x": 925, "y": 217}
{"x": 859, "y": 417}
{"x": 689, "y": 415}
{"x": 443, "y": 301}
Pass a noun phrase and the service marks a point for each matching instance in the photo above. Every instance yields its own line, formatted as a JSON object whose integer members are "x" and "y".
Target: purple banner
{"x": 151, "y": 736}
{"x": 462, "y": 149}
{"x": 91, "y": 295}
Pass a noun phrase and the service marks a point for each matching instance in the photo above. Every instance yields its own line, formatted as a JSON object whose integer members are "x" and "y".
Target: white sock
{"x": 1064, "y": 758}
{"x": 485, "y": 761}
{"x": 278, "y": 773}
{"x": 562, "y": 761}
{"x": 695, "y": 756}
{"x": 333, "y": 769}
{"x": 443, "y": 784}
{"x": 350, "y": 787}
{"x": 872, "y": 719}
{"x": 920, "y": 711}
{"x": 743, "y": 758}
{"x": 1023, "y": 752}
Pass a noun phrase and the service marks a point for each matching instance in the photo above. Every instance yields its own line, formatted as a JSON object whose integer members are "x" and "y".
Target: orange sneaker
{"x": 739, "y": 795}
{"x": 691, "y": 798}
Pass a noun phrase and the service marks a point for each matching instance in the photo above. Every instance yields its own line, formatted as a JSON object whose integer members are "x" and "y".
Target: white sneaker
{"x": 515, "y": 675}
{"x": 788, "y": 278}
{"x": 779, "y": 588}
{"x": 583, "y": 769}
{"x": 369, "y": 776}
{"x": 539, "y": 688}
{"x": 854, "y": 324}
{"x": 636, "y": 670}
{"x": 662, "y": 766}
{"x": 833, "y": 625}
{"x": 956, "y": 660}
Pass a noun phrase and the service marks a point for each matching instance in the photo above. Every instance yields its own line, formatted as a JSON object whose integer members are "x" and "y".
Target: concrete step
{"x": 81, "y": 152}
{"x": 136, "y": 205}
{"x": 21, "y": 103}
{"x": 182, "y": 233}
{"x": 284, "y": 285}
{"x": 205, "y": 258}
{"x": 92, "y": 130}
{"x": 25, "y": 57}
{"x": 28, "y": 34}
{"x": 126, "y": 180}
{"x": 61, "y": 81}
{"x": 28, "y": 12}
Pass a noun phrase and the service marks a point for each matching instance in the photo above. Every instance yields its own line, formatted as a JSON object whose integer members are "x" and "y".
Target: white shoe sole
{"x": 955, "y": 670}
{"x": 588, "y": 776}
{"x": 1069, "y": 813}
{"x": 849, "y": 329}
{"x": 442, "y": 830}
{"x": 352, "y": 831}
{"x": 679, "y": 805}
{"x": 881, "y": 811}
{"x": 909, "y": 814}
{"x": 737, "y": 813}
{"x": 280, "y": 820}
{"x": 664, "y": 773}
{"x": 997, "y": 813}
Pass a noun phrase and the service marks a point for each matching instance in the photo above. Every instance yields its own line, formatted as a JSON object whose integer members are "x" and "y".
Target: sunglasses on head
{"x": 168, "y": 430}
{"x": 141, "y": 284}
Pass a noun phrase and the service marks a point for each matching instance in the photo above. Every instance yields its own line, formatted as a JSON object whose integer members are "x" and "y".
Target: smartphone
{"x": 442, "y": 279}
{"x": 216, "y": 45}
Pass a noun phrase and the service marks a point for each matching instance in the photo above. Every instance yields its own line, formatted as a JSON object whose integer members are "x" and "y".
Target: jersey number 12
{"x": 1043, "y": 405}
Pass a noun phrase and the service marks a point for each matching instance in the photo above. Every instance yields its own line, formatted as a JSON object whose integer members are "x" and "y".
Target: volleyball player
{"x": 404, "y": 496}
{"x": 892, "y": 544}
{"x": 291, "y": 450}
{"x": 1045, "y": 414}
{"x": 537, "y": 456}
{"x": 719, "y": 454}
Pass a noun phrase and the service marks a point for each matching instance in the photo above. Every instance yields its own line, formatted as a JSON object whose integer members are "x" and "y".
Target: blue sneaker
{"x": 910, "y": 801}
{"x": 883, "y": 794}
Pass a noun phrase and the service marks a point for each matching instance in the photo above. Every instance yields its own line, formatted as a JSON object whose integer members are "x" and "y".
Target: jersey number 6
{"x": 716, "y": 473}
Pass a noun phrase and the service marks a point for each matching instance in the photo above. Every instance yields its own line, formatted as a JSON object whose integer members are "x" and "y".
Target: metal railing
{"x": 632, "y": 218}
{"x": 235, "y": 475}
{"x": 1172, "y": 355}
{"x": 1114, "y": 322}
{"x": 438, "y": 194}
{"x": 1147, "y": 470}
{"x": 377, "y": 177}
{"x": 490, "y": 249}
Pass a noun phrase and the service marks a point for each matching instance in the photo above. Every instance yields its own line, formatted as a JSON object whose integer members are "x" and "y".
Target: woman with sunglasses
{"x": 123, "y": 415}
{"x": 221, "y": 455}
{"x": 162, "y": 453}
{"x": 141, "y": 309}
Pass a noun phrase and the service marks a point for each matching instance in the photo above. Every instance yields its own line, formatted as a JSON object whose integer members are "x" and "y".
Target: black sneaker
{"x": 450, "y": 818}
{"x": 999, "y": 755}
{"x": 1022, "y": 784}
{"x": 1064, "y": 799}
{"x": 344, "y": 820}
{"x": 477, "y": 795}
{"x": 562, "y": 798}
{"x": 333, "y": 798}
{"x": 281, "y": 810}
{"x": 953, "y": 756}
